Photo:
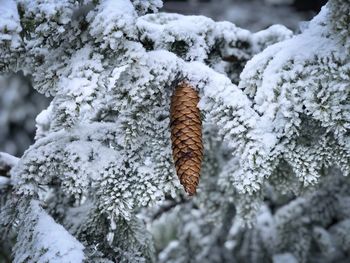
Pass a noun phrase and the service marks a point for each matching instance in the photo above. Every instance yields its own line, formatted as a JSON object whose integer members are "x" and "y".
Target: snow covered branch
{"x": 7, "y": 162}
{"x": 275, "y": 113}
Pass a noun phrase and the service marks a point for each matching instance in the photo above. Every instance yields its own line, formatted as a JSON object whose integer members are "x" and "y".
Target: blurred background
{"x": 19, "y": 106}
{"x": 254, "y": 15}
{"x": 20, "y": 103}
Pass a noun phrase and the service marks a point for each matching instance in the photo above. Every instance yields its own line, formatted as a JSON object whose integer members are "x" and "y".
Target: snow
{"x": 48, "y": 241}
{"x": 106, "y": 133}
{"x": 51, "y": 235}
{"x": 9, "y": 24}
{"x": 9, "y": 16}
{"x": 50, "y": 10}
{"x": 8, "y": 160}
{"x": 277, "y": 78}
{"x": 197, "y": 33}
{"x": 43, "y": 122}
{"x": 113, "y": 20}
{"x": 143, "y": 6}
{"x": 4, "y": 182}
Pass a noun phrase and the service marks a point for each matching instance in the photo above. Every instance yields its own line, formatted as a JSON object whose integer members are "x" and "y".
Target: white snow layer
{"x": 50, "y": 241}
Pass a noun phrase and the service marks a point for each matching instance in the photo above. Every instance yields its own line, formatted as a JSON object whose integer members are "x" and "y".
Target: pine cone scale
{"x": 186, "y": 120}
{"x": 186, "y": 136}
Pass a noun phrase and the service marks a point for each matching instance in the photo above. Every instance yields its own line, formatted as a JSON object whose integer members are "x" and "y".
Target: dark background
{"x": 250, "y": 14}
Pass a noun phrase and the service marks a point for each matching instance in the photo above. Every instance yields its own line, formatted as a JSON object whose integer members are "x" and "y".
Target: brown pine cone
{"x": 186, "y": 136}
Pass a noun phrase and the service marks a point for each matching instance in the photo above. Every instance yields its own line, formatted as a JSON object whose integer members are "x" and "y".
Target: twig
{"x": 7, "y": 162}
{"x": 167, "y": 207}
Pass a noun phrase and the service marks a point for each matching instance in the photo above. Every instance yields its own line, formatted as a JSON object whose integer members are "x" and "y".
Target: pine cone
{"x": 186, "y": 136}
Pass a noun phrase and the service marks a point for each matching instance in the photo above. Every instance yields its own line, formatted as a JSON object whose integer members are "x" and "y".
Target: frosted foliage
{"x": 311, "y": 221}
{"x": 104, "y": 139}
{"x": 312, "y": 228}
{"x": 299, "y": 91}
{"x": 102, "y": 154}
{"x": 115, "y": 111}
{"x": 200, "y": 239}
{"x": 221, "y": 45}
{"x": 143, "y": 6}
{"x": 10, "y": 29}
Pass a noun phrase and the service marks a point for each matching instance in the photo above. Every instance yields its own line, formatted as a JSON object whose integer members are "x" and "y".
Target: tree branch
{"x": 7, "y": 162}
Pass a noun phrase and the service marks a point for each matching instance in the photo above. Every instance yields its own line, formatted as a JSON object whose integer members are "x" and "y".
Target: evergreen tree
{"x": 100, "y": 173}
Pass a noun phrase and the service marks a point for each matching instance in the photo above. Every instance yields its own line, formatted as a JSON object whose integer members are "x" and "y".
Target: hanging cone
{"x": 186, "y": 135}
